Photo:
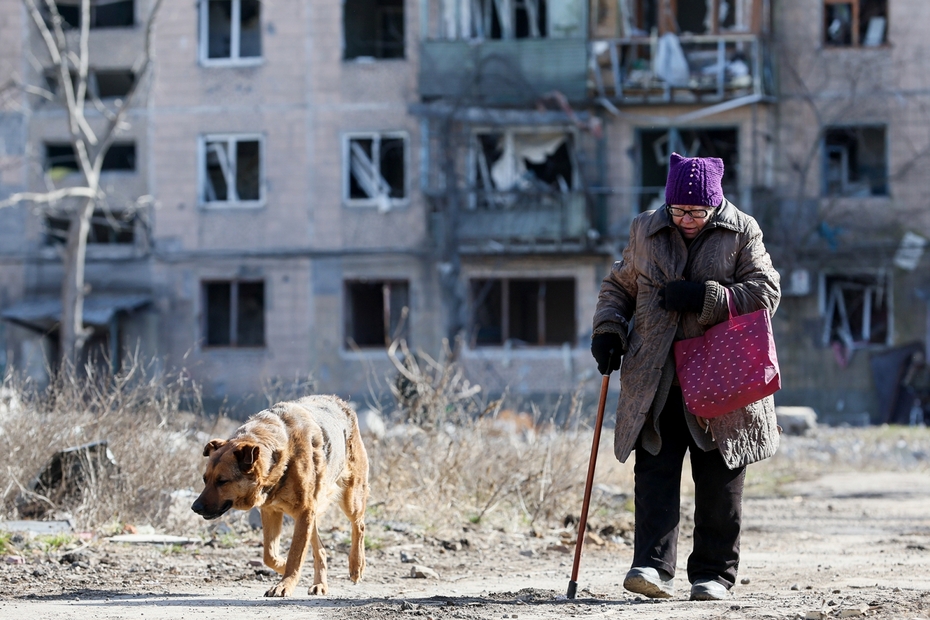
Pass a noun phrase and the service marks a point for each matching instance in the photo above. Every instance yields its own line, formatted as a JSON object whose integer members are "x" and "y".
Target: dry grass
{"x": 150, "y": 428}
{"x": 447, "y": 460}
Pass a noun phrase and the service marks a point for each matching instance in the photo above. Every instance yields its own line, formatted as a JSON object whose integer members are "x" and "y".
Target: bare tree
{"x": 69, "y": 59}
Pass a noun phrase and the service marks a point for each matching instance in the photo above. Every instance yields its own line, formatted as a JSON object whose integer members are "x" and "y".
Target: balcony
{"x": 503, "y": 72}
{"x": 678, "y": 70}
{"x": 519, "y": 221}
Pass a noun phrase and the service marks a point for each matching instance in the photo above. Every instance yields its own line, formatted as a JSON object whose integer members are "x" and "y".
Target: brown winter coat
{"x": 728, "y": 252}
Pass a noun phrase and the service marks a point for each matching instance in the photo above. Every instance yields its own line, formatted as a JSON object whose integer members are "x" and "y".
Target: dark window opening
{"x": 855, "y": 162}
{"x": 855, "y": 22}
{"x": 106, "y": 228}
{"x": 656, "y": 146}
{"x": 103, "y": 84}
{"x": 113, "y": 83}
{"x": 528, "y": 312}
{"x": 234, "y": 313}
{"x": 377, "y": 169}
{"x": 233, "y": 29}
{"x": 119, "y": 157}
{"x": 376, "y": 312}
{"x": 857, "y": 310}
{"x": 232, "y": 170}
{"x": 103, "y": 13}
{"x": 373, "y": 28}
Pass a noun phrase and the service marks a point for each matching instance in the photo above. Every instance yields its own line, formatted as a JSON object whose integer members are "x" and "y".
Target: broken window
{"x": 230, "y": 30}
{"x": 234, "y": 313}
{"x": 641, "y": 17}
{"x": 373, "y": 29}
{"x": 103, "y": 13}
{"x": 511, "y": 19}
{"x": 855, "y": 22}
{"x": 656, "y": 146}
{"x": 376, "y": 170}
{"x": 855, "y": 162}
{"x": 538, "y": 162}
{"x": 61, "y": 159}
{"x": 106, "y": 228}
{"x": 232, "y": 169}
{"x": 857, "y": 310}
{"x": 376, "y": 312}
{"x": 532, "y": 312}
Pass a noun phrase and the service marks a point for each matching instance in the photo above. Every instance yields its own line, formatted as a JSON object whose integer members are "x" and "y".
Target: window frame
{"x": 830, "y": 301}
{"x": 507, "y": 338}
{"x": 826, "y": 150}
{"x": 234, "y": 60}
{"x": 233, "y": 313}
{"x": 349, "y": 315}
{"x": 375, "y": 137}
{"x": 855, "y": 39}
{"x": 231, "y": 139}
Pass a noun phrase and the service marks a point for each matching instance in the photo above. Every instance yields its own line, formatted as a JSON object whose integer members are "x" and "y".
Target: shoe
{"x": 709, "y": 590}
{"x": 651, "y": 582}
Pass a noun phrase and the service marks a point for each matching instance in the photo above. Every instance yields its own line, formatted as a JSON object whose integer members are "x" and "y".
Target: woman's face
{"x": 689, "y": 219}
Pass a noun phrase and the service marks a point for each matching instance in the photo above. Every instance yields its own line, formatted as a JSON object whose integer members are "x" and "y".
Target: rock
{"x": 15, "y": 559}
{"x": 796, "y": 420}
{"x": 744, "y": 581}
{"x": 852, "y": 612}
{"x": 418, "y": 571}
{"x": 815, "y": 615}
{"x": 408, "y": 558}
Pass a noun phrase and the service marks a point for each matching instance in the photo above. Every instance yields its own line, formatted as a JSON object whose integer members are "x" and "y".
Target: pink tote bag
{"x": 732, "y": 365}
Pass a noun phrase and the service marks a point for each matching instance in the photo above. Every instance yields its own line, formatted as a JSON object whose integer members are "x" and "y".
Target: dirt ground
{"x": 843, "y": 545}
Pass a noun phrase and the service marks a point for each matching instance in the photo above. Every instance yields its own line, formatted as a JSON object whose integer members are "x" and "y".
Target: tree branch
{"x": 49, "y": 197}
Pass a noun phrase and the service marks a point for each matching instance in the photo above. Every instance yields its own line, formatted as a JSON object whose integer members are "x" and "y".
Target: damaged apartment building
{"x": 300, "y": 185}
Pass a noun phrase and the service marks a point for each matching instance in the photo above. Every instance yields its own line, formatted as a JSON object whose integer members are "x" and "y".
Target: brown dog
{"x": 292, "y": 458}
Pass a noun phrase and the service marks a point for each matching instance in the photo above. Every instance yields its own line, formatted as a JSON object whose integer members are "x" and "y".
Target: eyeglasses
{"x": 696, "y": 214}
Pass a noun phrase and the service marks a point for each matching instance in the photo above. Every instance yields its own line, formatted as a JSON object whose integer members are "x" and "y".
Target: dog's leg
{"x": 354, "y": 499}
{"x": 271, "y": 534}
{"x": 295, "y": 556}
{"x": 319, "y": 563}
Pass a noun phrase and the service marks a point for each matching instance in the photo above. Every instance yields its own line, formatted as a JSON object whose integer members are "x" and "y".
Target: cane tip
{"x": 572, "y": 589}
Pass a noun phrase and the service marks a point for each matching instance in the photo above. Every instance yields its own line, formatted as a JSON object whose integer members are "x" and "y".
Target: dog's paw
{"x": 285, "y": 587}
{"x": 318, "y": 589}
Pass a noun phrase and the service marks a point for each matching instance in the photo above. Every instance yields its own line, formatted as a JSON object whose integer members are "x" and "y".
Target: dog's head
{"x": 231, "y": 479}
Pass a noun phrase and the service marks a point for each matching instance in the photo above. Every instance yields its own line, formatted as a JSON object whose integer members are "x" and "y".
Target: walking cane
{"x": 592, "y": 461}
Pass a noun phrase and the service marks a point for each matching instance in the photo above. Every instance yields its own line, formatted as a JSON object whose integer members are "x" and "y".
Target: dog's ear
{"x": 213, "y": 445}
{"x": 247, "y": 454}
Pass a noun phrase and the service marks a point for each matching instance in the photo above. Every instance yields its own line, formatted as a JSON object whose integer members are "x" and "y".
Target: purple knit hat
{"x": 694, "y": 181}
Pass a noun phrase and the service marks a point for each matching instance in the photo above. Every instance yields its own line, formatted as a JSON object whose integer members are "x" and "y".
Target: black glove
{"x": 682, "y": 296}
{"x": 607, "y": 349}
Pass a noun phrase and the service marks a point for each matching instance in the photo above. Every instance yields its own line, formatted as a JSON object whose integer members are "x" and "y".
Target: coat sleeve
{"x": 755, "y": 285}
{"x": 616, "y": 300}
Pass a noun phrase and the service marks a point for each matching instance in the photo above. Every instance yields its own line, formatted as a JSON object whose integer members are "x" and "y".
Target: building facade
{"x": 300, "y": 185}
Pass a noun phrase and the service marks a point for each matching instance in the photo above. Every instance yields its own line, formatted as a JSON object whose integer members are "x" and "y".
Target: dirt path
{"x": 845, "y": 546}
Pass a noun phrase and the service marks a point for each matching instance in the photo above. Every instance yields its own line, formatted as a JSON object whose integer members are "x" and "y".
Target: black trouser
{"x": 717, "y": 503}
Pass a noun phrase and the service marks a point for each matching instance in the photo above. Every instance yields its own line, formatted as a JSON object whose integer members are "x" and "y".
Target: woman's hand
{"x": 607, "y": 349}
{"x": 682, "y": 296}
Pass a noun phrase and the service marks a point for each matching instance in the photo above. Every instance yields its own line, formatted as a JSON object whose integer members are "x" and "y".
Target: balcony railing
{"x": 670, "y": 69}
{"x": 510, "y": 220}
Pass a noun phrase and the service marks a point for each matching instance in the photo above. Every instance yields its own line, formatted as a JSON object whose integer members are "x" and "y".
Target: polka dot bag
{"x": 732, "y": 365}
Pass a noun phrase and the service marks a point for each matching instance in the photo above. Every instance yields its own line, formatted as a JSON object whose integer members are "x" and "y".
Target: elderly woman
{"x": 671, "y": 284}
